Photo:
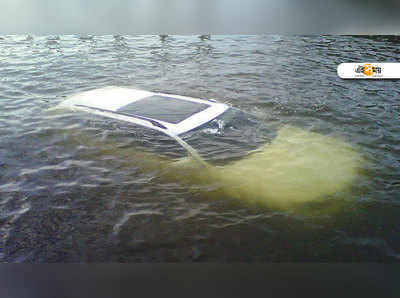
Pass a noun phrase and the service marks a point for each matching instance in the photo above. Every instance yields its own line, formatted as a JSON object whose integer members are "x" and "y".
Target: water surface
{"x": 64, "y": 197}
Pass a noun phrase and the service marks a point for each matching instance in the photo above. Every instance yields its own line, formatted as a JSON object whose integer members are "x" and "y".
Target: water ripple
{"x": 66, "y": 197}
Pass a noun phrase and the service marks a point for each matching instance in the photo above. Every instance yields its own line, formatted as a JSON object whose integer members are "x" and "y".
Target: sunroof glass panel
{"x": 168, "y": 109}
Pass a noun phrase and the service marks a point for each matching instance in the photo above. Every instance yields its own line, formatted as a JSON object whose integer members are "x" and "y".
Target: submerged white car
{"x": 215, "y": 130}
{"x": 238, "y": 152}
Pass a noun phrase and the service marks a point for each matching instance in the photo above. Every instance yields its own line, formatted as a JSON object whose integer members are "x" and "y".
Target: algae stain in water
{"x": 297, "y": 167}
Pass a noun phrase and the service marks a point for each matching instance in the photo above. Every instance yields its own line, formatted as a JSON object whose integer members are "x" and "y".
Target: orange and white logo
{"x": 369, "y": 70}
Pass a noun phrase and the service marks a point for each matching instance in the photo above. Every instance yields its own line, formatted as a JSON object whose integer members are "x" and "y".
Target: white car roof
{"x": 171, "y": 114}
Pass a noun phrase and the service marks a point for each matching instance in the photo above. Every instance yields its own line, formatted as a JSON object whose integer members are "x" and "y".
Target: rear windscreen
{"x": 163, "y": 108}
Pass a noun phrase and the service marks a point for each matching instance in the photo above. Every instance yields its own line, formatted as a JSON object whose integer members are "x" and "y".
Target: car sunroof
{"x": 168, "y": 109}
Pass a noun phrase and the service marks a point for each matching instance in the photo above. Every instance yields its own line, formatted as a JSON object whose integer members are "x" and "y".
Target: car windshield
{"x": 168, "y": 109}
{"x": 229, "y": 136}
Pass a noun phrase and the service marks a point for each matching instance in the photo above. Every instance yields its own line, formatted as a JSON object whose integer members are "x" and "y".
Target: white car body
{"x": 109, "y": 102}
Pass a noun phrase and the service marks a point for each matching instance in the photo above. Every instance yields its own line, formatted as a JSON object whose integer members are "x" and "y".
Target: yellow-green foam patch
{"x": 298, "y": 166}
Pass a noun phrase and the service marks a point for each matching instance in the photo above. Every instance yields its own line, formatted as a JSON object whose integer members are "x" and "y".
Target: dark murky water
{"x": 64, "y": 199}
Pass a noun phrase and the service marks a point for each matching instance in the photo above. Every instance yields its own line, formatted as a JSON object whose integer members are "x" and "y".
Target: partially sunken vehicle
{"x": 243, "y": 154}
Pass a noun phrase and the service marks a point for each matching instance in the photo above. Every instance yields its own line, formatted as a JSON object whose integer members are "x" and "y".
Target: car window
{"x": 124, "y": 134}
{"x": 229, "y": 136}
{"x": 168, "y": 109}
